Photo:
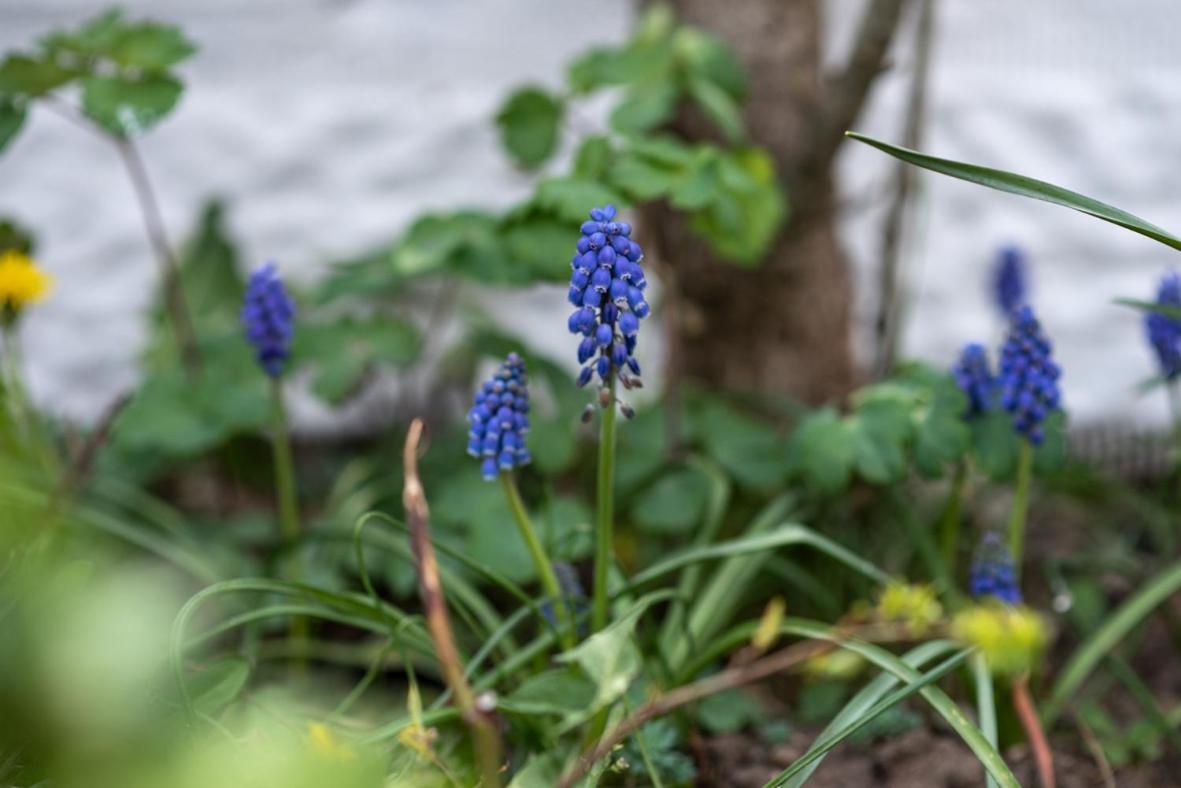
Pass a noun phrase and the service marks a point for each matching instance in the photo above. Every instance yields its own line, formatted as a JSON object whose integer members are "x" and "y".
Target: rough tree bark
{"x": 784, "y": 327}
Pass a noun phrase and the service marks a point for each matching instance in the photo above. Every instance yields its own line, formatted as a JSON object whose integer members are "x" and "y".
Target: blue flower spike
{"x": 992, "y": 573}
{"x": 1164, "y": 332}
{"x": 607, "y": 287}
{"x": 1009, "y": 280}
{"x": 974, "y": 377}
{"x": 268, "y": 316}
{"x": 1028, "y": 376}
{"x": 499, "y": 420}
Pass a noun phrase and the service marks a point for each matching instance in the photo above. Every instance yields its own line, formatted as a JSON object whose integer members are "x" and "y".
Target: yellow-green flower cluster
{"x": 1011, "y": 638}
{"x": 21, "y": 283}
{"x": 913, "y": 605}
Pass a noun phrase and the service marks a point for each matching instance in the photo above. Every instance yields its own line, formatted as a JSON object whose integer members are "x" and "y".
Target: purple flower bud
{"x": 603, "y": 335}
{"x": 498, "y": 437}
{"x": 268, "y": 314}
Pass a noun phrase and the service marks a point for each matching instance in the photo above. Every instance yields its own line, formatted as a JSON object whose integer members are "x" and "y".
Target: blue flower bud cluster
{"x": 992, "y": 573}
{"x": 1164, "y": 333}
{"x": 607, "y": 288}
{"x": 573, "y": 594}
{"x": 499, "y": 419}
{"x": 268, "y": 315}
{"x": 1028, "y": 376}
{"x": 1009, "y": 280}
{"x": 974, "y": 377}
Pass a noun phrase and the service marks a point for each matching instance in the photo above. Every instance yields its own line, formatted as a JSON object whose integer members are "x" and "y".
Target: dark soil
{"x": 921, "y": 758}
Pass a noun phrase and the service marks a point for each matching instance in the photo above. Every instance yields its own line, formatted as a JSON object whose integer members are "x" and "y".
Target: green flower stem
{"x": 1175, "y": 409}
{"x": 545, "y": 568}
{"x": 606, "y": 514}
{"x": 285, "y": 497}
{"x": 949, "y": 527}
{"x": 1020, "y": 503}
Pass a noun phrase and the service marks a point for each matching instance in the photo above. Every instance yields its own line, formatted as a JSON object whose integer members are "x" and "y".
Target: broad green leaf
{"x": 464, "y": 242}
{"x": 750, "y": 450}
{"x": 342, "y": 352}
{"x": 593, "y": 157}
{"x": 706, "y": 57}
{"x": 1025, "y": 187}
{"x": 539, "y": 771}
{"x": 539, "y": 250}
{"x": 994, "y": 445}
{"x": 747, "y": 209}
{"x": 12, "y": 117}
{"x": 645, "y": 106}
{"x": 530, "y": 122}
{"x": 126, "y": 106}
{"x": 560, "y": 691}
{"x": 150, "y": 46}
{"x": 877, "y": 454}
{"x": 552, "y": 443}
{"x": 673, "y": 505}
{"x": 22, "y": 75}
{"x": 822, "y": 451}
{"x": 570, "y": 198}
{"x": 93, "y": 39}
{"x": 719, "y": 107}
{"x": 728, "y": 711}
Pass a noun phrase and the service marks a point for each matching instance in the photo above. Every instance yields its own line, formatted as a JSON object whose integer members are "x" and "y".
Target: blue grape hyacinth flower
{"x": 1164, "y": 332}
{"x": 1009, "y": 280}
{"x": 607, "y": 290}
{"x": 992, "y": 573}
{"x": 1028, "y": 376}
{"x": 974, "y": 377}
{"x": 268, "y": 317}
{"x": 499, "y": 419}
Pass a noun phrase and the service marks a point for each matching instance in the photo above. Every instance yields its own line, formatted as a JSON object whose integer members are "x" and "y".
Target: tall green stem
{"x": 606, "y": 513}
{"x": 949, "y": 527}
{"x": 1020, "y": 503}
{"x": 1175, "y": 408}
{"x": 545, "y": 568}
{"x": 285, "y": 498}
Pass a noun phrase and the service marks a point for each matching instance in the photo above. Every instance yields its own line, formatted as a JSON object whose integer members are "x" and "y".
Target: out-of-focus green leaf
{"x": 150, "y": 46}
{"x": 570, "y": 198}
{"x": 1172, "y": 312}
{"x": 561, "y": 692}
{"x": 343, "y": 351}
{"x": 747, "y": 209}
{"x": 746, "y": 448}
{"x": 530, "y": 122}
{"x": 673, "y": 505}
{"x": 729, "y": 711}
{"x": 593, "y": 157}
{"x": 705, "y": 57}
{"x": 539, "y": 249}
{"x": 645, "y": 106}
{"x": 822, "y": 451}
{"x": 126, "y": 106}
{"x": 22, "y": 75}
{"x": 994, "y": 445}
{"x": 12, "y": 117}
{"x": 720, "y": 107}
{"x": 1025, "y": 187}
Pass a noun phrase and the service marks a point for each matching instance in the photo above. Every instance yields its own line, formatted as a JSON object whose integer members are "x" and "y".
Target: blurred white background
{"x": 330, "y": 124}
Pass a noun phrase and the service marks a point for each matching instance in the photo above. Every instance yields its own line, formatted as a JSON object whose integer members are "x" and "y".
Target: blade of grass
{"x": 985, "y": 703}
{"x": 1110, "y": 633}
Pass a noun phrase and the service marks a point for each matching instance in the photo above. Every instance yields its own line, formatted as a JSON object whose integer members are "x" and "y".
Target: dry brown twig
{"x": 485, "y": 737}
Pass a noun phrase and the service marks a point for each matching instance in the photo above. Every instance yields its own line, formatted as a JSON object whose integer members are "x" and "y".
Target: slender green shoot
{"x": 1020, "y": 503}
{"x": 545, "y": 568}
{"x": 297, "y": 634}
{"x": 949, "y": 524}
{"x": 606, "y": 510}
{"x": 985, "y": 704}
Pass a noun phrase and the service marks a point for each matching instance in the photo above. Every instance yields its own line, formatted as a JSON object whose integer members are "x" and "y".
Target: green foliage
{"x": 124, "y": 69}
{"x": 530, "y": 124}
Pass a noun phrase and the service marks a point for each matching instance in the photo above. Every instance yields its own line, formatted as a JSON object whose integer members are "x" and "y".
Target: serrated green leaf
{"x": 705, "y": 57}
{"x": 1025, "y": 187}
{"x": 22, "y": 75}
{"x": 126, "y": 106}
{"x": 12, "y": 117}
{"x": 530, "y": 122}
{"x": 673, "y": 505}
{"x": 95, "y": 37}
{"x": 539, "y": 250}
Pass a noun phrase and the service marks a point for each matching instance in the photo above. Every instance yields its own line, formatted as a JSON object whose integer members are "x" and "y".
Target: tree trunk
{"x": 783, "y": 327}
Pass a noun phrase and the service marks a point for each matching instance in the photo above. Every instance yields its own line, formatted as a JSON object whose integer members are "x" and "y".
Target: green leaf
{"x": 93, "y": 39}
{"x": 750, "y": 450}
{"x": 552, "y": 443}
{"x": 729, "y": 711}
{"x": 150, "y": 46}
{"x": 994, "y": 444}
{"x": 12, "y": 117}
{"x": 570, "y": 198}
{"x": 1113, "y": 631}
{"x": 877, "y": 454}
{"x": 218, "y": 685}
{"x": 1172, "y": 312}
{"x": 705, "y": 57}
{"x": 747, "y": 209}
{"x": 609, "y": 658}
{"x": 126, "y": 106}
{"x": 344, "y": 351}
{"x": 719, "y": 107}
{"x": 593, "y": 157}
{"x": 539, "y": 250}
{"x": 464, "y": 242}
{"x": 645, "y": 106}
{"x": 530, "y": 122}
{"x": 1051, "y": 454}
{"x": 561, "y": 691}
{"x": 673, "y": 505}
{"x": 1025, "y": 187}
{"x": 21, "y": 75}
{"x": 822, "y": 451}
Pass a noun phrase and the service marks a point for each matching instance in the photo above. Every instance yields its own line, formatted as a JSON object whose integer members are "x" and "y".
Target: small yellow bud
{"x": 914, "y": 605}
{"x": 1010, "y": 638}
{"x": 768, "y": 629}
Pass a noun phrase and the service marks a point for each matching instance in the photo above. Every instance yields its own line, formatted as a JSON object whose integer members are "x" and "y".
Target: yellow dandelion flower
{"x": 21, "y": 282}
{"x": 914, "y": 605}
